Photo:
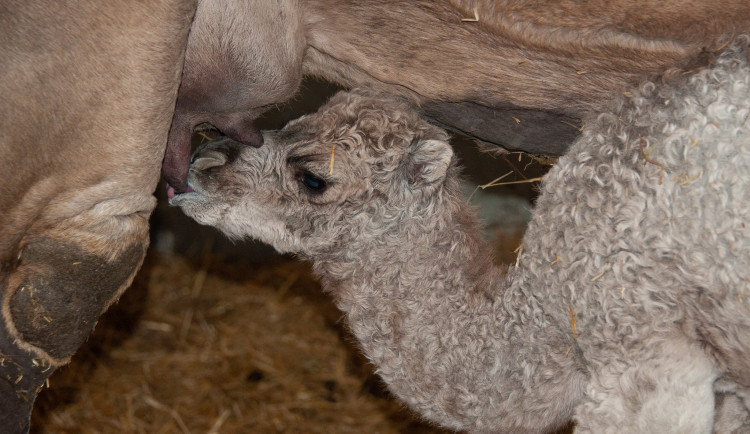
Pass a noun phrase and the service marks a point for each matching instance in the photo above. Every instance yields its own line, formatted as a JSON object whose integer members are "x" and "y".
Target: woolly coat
{"x": 628, "y": 308}
{"x": 640, "y": 241}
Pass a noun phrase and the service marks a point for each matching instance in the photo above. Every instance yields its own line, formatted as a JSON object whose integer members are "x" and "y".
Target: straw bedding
{"x": 218, "y": 348}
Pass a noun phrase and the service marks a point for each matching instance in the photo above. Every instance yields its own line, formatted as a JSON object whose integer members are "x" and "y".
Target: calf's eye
{"x": 312, "y": 182}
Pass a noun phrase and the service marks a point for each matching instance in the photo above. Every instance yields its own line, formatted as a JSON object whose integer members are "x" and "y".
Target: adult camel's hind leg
{"x": 89, "y": 91}
{"x": 51, "y": 303}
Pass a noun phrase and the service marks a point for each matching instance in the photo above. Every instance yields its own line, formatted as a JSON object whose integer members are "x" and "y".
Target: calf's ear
{"x": 426, "y": 163}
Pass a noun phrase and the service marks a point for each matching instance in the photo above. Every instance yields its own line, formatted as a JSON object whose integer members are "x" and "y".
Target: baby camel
{"x": 628, "y": 309}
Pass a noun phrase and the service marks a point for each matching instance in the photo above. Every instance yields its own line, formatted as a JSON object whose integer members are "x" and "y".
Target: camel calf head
{"x": 339, "y": 177}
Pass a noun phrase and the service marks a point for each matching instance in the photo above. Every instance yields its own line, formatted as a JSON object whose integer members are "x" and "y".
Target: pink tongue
{"x": 172, "y": 193}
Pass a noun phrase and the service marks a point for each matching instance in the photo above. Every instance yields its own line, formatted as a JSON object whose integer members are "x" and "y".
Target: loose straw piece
{"x": 204, "y": 136}
{"x": 219, "y": 422}
{"x": 649, "y": 160}
{"x": 678, "y": 177}
{"x": 333, "y": 156}
{"x": 488, "y": 185}
{"x": 689, "y": 180}
{"x": 471, "y": 20}
{"x": 724, "y": 45}
{"x": 523, "y": 181}
{"x": 598, "y": 276}
{"x": 580, "y": 129}
{"x": 518, "y": 250}
{"x": 573, "y": 322}
{"x": 491, "y": 183}
{"x": 151, "y": 402}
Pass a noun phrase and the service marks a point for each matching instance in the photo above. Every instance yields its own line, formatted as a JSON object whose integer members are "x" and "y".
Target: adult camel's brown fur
{"x": 515, "y": 73}
{"x": 90, "y": 88}
{"x": 88, "y": 93}
{"x": 564, "y": 58}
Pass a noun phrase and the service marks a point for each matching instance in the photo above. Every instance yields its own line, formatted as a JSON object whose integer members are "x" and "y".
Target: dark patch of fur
{"x": 20, "y": 376}
{"x": 515, "y": 129}
{"x": 57, "y": 307}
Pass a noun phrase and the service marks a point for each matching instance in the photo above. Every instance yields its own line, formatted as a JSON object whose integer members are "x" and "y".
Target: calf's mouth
{"x": 210, "y": 155}
{"x": 176, "y": 161}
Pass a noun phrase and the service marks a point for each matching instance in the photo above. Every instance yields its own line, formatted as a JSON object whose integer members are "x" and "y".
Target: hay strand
{"x": 264, "y": 352}
{"x": 573, "y": 323}
{"x": 474, "y": 19}
{"x": 333, "y": 157}
{"x": 522, "y": 181}
{"x": 725, "y": 44}
{"x": 649, "y": 160}
{"x": 580, "y": 129}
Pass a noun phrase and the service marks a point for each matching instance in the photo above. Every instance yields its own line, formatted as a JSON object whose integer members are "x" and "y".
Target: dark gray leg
{"x": 52, "y": 300}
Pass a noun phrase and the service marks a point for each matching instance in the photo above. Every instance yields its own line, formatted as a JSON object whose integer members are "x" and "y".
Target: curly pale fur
{"x": 628, "y": 310}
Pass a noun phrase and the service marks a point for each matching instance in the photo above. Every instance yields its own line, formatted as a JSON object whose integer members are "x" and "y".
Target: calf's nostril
{"x": 208, "y": 159}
